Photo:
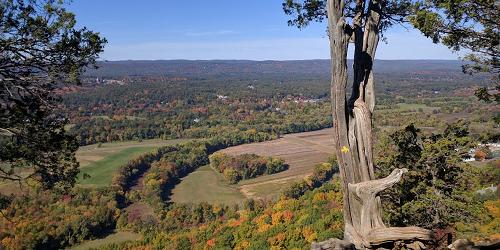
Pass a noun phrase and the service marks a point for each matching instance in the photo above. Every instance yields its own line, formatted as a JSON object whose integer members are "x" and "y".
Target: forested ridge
{"x": 247, "y": 68}
{"x": 191, "y": 107}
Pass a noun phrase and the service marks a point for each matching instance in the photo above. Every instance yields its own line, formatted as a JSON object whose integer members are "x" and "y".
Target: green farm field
{"x": 101, "y": 171}
{"x": 101, "y": 162}
{"x": 114, "y": 238}
{"x": 206, "y": 185}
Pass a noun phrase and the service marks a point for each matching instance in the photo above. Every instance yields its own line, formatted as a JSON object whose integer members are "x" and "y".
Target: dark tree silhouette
{"x": 471, "y": 26}
{"x": 40, "y": 49}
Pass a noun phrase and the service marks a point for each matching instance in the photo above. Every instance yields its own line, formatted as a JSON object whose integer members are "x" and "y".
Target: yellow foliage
{"x": 338, "y": 225}
{"x": 309, "y": 181}
{"x": 151, "y": 182}
{"x": 8, "y": 243}
{"x": 495, "y": 236}
{"x": 252, "y": 131}
{"x": 260, "y": 220}
{"x": 493, "y": 208}
{"x": 243, "y": 214}
{"x": 281, "y": 204}
{"x": 491, "y": 229}
{"x": 309, "y": 234}
{"x": 276, "y": 218}
{"x": 320, "y": 197}
{"x": 242, "y": 245}
{"x": 263, "y": 228}
{"x": 216, "y": 209}
{"x": 487, "y": 229}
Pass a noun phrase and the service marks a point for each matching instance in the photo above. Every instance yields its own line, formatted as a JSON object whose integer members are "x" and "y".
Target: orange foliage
{"x": 235, "y": 223}
{"x": 480, "y": 155}
{"x": 493, "y": 208}
{"x": 277, "y": 241}
{"x": 287, "y": 215}
{"x": 211, "y": 242}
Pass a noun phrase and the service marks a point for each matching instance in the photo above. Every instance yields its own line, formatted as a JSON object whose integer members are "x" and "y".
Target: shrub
{"x": 231, "y": 175}
{"x": 245, "y": 166}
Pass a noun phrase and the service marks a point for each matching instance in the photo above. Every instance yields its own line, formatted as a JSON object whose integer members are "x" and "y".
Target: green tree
{"x": 470, "y": 25}
{"x": 232, "y": 176}
{"x": 484, "y": 95}
{"x": 40, "y": 50}
{"x": 465, "y": 25}
{"x": 433, "y": 194}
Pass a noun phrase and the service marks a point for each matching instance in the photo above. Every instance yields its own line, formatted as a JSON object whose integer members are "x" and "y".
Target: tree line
{"x": 245, "y": 166}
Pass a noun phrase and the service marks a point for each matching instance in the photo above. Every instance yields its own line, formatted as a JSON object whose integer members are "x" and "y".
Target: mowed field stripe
{"x": 101, "y": 172}
{"x": 300, "y": 151}
{"x": 206, "y": 185}
{"x": 102, "y": 161}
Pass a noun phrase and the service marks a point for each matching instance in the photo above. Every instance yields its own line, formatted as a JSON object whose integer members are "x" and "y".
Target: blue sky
{"x": 223, "y": 29}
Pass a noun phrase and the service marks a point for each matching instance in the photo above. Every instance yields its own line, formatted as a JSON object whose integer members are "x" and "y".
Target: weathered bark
{"x": 353, "y": 129}
{"x": 332, "y": 244}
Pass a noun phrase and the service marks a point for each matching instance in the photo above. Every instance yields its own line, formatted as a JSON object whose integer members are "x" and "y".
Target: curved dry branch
{"x": 380, "y": 236}
{"x": 372, "y": 231}
{"x": 369, "y": 189}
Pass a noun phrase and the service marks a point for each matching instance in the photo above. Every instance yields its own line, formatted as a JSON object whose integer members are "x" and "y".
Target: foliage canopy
{"x": 40, "y": 49}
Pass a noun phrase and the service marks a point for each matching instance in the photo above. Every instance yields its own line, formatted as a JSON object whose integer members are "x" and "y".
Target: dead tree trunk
{"x": 353, "y": 129}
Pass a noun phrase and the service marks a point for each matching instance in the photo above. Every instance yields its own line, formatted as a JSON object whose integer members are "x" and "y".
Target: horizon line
{"x": 267, "y": 60}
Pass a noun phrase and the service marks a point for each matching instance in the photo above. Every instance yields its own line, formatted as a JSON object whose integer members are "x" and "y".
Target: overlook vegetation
{"x": 144, "y": 193}
{"x": 251, "y": 154}
{"x": 245, "y": 166}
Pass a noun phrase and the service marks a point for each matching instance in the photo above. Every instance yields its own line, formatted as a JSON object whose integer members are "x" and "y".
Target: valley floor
{"x": 302, "y": 151}
{"x": 206, "y": 185}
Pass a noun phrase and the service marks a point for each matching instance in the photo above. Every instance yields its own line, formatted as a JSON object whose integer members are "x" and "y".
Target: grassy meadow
{"x": 101, "y": 161}
{"x": 116, "y": 238}
{"x": 205, "y": 184}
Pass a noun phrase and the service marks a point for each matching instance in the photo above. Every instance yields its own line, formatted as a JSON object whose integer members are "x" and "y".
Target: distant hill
{"x": 231, "y": 68}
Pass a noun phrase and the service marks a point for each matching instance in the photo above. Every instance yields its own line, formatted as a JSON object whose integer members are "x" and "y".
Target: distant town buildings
{"x": 222, "y": 97}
